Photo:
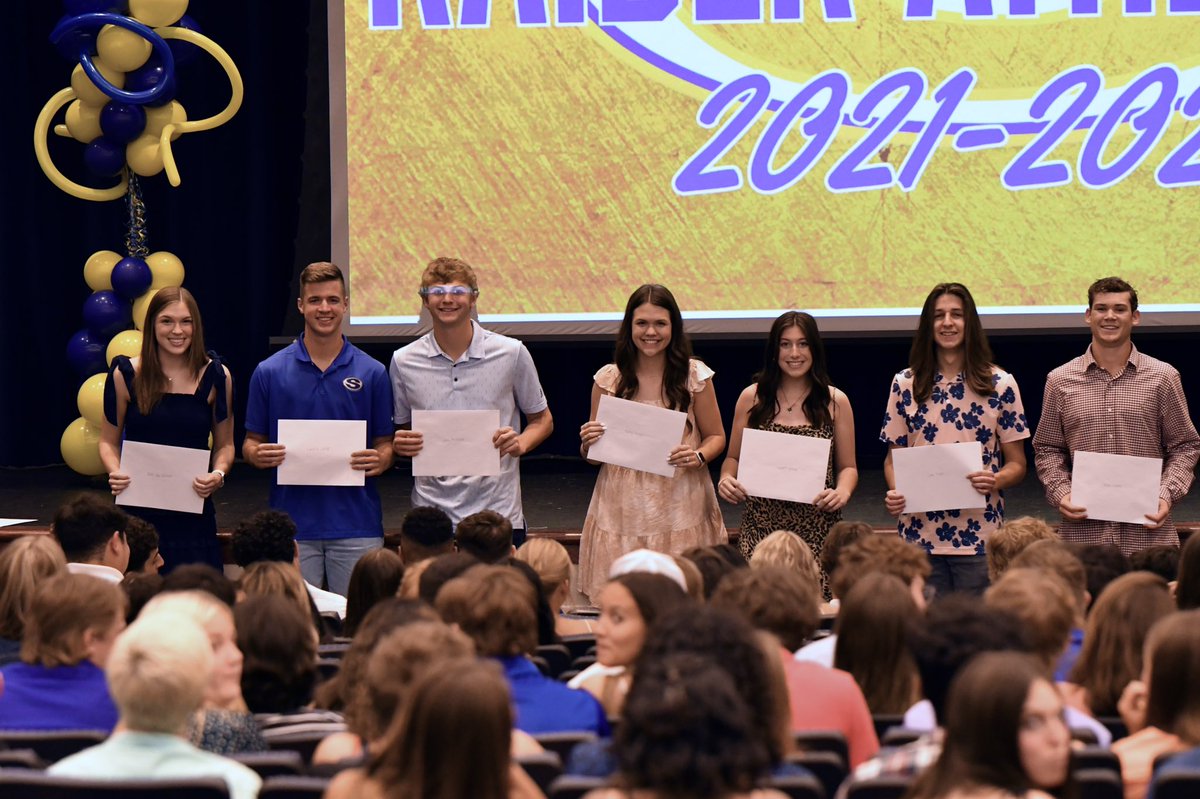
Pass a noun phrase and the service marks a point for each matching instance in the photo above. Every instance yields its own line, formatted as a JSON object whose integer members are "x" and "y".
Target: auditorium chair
{"x": 878, "y": 787}
{"x": 1177, "y": 784}
{"x": 292, "y": 788}
{"x": 557, "y": 657}
{"x": 543, "y": 768}
{"x": 797, "y": 787}
{"x": 278, "y": 763}
{"x": 561, "y": 743}
{"x": 886, "y": 721}
{"x": 823, "y": 741}
{"x": 22, "y": 784}
{"x": 827, "y": 767}
{"x": 1099, "y": 783}
{"x": 52, "y": 745}
{"x": 570, "y": 786}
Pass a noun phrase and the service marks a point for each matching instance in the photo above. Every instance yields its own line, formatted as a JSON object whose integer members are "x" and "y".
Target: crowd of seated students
{"x": 706, "y": 666}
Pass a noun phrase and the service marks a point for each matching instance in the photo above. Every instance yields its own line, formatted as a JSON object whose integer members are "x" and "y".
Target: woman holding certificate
{"x": 175, "y": 395}
{"x": 952, "y": 393}
{"x": 633, "y": 509}
{"x": 792, "y": 396}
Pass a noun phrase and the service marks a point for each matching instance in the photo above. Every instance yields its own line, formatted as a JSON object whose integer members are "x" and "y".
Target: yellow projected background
{"x": 545, "y": 157}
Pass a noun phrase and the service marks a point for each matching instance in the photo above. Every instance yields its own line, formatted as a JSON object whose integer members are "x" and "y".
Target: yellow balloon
{"x": 140, "y": 306}
{"x": 83, "y": 121}
{"x": 91, "y": 398}
{"x": 122, "y": 49}
{"x": 41, "y": 131}
{"x": 157, "y": 13}
{"x": 80, "y": 446}
{"x": 166, "y": 269}
{"x": 157, "y": 118}
{"x": 86, "y": 91}
{"x": 98, "y": 269}
{"x": 144, "y": 155}
{"x": 127, "y": 342}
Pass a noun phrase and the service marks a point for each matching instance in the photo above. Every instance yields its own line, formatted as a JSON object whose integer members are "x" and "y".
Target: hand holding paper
{"x": 783, "y": 466}
{"x": 319, "y": 451}
{"x": 936, "y": 477}
{"x": 162, "y": 476}
{"x": 456, "y": 443}
{"x": 1116, "y": 488}
{"x": 637, "y": 436}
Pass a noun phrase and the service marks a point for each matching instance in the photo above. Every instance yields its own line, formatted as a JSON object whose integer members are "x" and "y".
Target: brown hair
{"x": 487, "y": 536}
{"x": 1173, "y": 648}
{"x": 495, "y": 606}
{"x": 1187, "y": 589}
{"x": 691, "y": 576}
{"x": 840, "y": 536}
{"x": 1044, "y": 605}
{"x": 273, "y": 578}
{"x": 675, "y": 391}
{"x": 886, "y": 554}
{"x": 64, "y": 607}
{"x": 977, "y": 353}
{"x": 449, "y": 270}
{"x": 871, "y": 629}
{"x": 1057, "y": 558}
{"x": 321, "y": 272}
{"x": 151, "y": 383}
{"x": 549, "y": 559}
{"x": 1011, "y": 539}
{"x": 773, "y": 598}
{"x": 458, "y": 713}
{"x": 1112, "y": 285}
{"x": 375, "y": 577}
{"x": 24, "y": 565}
{"x": 1115, "y": 637}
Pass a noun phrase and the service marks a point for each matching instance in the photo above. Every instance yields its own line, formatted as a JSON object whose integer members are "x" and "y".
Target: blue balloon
{"x": 148, "y": 77}
{"x": 86, "y": 354}
{"x": 131, "y": 277}
{"x": 93, "y": 22}
{"x": 122, "y": 122}
{"x": 184, "y": 51}
{"x": 106, "y": 314}
{"x": 75, "y": 41}
{"x": 104, "y": 157}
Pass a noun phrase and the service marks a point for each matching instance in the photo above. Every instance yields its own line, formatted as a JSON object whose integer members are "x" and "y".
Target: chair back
{"x": 52, "y": 745}
{"x": 878, "y": 787}
{"x": 797, "y": 787}
{"x": 580, "y": 645}
{"x": 557, "y": 657}
{"x": 823, "y": 741}
{"x": 293, "y": 788}
{"x": 1177, "y": 783}
{"x": 561, "y": 743}
{"x": 570, "y": 786}
{"x": 1095, "y": 757}
{"x": 1099, "y": 783}
{"x": 543, "y": 768}
{"x": 22, "y": 784}
{"x": 885, "y": 722}
{"x": 277, "y": 763}
{"x": 305, "y": 743}
{"x": 827, "y": 767}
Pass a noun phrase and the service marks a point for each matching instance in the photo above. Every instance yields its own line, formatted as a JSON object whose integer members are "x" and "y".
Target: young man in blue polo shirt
{"x": 461, "y": 366}
{"x": 321, "y": 375}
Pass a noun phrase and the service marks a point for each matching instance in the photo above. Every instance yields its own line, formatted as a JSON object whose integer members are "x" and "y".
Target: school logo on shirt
{"x": 352, "y": 384}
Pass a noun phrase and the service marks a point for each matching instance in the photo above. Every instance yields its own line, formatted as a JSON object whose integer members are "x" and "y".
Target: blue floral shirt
{"x": 955, "y": 414}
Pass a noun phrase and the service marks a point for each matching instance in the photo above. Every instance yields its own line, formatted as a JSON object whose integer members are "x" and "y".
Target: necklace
{"x": 795, "y": 402}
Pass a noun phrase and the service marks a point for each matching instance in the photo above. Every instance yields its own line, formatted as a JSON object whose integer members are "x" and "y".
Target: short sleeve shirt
{"x": 952, "y": 414}
{"x": 288, "y": 385}
{"x": 496, "y": 372}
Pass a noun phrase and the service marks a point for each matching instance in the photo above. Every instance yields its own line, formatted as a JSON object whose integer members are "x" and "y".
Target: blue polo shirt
{"x": 546, "y": 705}
{"x": 288, "y": 385}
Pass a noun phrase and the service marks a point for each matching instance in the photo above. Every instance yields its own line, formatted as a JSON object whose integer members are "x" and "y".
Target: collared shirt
{"x": 288, "y": 385}
{"x": 953, "y": 413}
{"x": 106, "y": 573}
{"x": 156, "y": 755}
{"x": 327, "y": 601}
{"x": 1142, "y": 411}
{"x": 495, "y": 372}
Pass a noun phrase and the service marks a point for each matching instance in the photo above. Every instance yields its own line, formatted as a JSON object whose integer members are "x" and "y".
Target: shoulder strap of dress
{"x": 214, "y": 379}
{"x": 121, "y": 364}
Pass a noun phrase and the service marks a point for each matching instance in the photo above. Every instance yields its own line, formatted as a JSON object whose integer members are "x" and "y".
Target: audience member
{"x": 270, "y": 535}
{"x": 713, "y": 564}
{"x": 785, "y": 548}
{"x": 1162, "y": 560}
{"x": 692, "y": 577}
{"x": 496, "y": 607}
{"x": 487, "y": 536}
{"x": 1057, "y": 558}
{"x": 140, "y": 589}
{"x": 58, "y": 684}
{"x": 841, "y": 535}
{"x": 376, "y": 577}
{"x": 271, "y": 578}
{"x": 157, "y": 675}
{"x": 546, "y": 634}
{"x": 91, "y": 532}
{"x": 442, "y": 570}
{"x": 425, "y": 533}
{"x": 144, "y": 556}
{"x": 410, "y": 583}
{"x": 201, "y": 577}
{"x": 1103, "y": 563}
{"x": 872, "y": 647}
{"x": 24, "y": 565}
{"x": 553, "y": 566}
{"x": 1187, "y": 586}
{"x": 650, "y": 562}
{"x": 1011, "y": 539}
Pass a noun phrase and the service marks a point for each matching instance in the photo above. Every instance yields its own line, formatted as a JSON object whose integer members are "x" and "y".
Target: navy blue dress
{"x": 178, "y": 420}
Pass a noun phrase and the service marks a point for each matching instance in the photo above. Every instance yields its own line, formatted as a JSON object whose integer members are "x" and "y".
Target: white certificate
{"x": 11, "y": 522}
{"x": 782, "y": 465}
{"x": 318, "y": 452}
{"x": 935, "y": 477}
{"x": 637, "y": 436}
{"x": 456, "y": 443}
{"x": 161, "y": 476}
{"x": 1115, "y": 488}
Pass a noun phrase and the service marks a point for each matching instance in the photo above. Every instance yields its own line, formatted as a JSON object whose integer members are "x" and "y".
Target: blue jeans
{"x": 331, "y": 561}
{"x": 965, "y": 573}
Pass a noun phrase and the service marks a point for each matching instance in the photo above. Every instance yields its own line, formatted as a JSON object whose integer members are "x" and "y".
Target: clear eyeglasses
{"x": 452, "y": 291}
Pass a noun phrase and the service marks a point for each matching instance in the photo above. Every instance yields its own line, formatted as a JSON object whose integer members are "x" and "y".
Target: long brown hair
{"x": 679, "y": 350}
{"x": 152, "y": 383}
{"x": 977, "y": 353}
{"x": 1173, "y": 648}
{"x": 766, "y": 396}
{"x": 871, "y": 629}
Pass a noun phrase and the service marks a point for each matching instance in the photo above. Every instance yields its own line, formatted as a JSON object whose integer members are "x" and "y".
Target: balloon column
{"x": 121, "y": 105}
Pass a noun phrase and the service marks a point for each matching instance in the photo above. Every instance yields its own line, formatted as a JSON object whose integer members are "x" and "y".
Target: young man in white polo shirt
{"x": 461, "y": 366}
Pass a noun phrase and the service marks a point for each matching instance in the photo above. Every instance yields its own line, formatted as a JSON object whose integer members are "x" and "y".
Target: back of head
{"x": 442, "y": 570}
{"x": 279, "y": 645}
{"x": 692, "y": 578}
{"x": 457, "y": 714}
{"x": 199, "y": 606}
{"x": 687, "y": 732}
{"x": 872, "y": 628}
{"x": 1058, "y": 559}
{"x": 63, "y": 609}
{"x": 277, "y": 579}
{"x": 785, "y": 548}
{"x": 648, "y": 561}
{"x": 1162, "y": 560}
{"x": 654, "y": 594}
{"x": 884, "y": 554}
{"x": 24, "y": 565}
{"x": 495, "y": 606}
{"x": 158, "y": 672}
{"x": 487, "y": 536}
{"x": 775, "y": 598}
{"x": 267, "y": 535}
{"x": 1044, "y": 605}
{"x": 954, "y": 629}
{"x": 1187, "y": 590}
{"x": 1102, "y": 563}
{"x": 140, "y": 589}
{"x": 713, "y": 565}
{"x": 375, "y": 577}
{"x": 143, "y": 543}
{"x": 549, "y": 559}
{"x": 425, "y": 533}
{"x": 1011, "y": 539}
{"x": 201, "y": 577}
{"x": 84, "y": 524}
{"x": 1173, "y": 648}
{"x": 1111, "y": 655}
{"x": 841, "y": 535}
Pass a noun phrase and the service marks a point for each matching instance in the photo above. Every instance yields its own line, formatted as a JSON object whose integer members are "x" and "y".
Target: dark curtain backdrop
{"x": 253, "y": 208}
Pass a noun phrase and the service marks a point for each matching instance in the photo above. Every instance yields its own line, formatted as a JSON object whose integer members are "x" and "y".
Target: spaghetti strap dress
{"x": 178, "y": 420}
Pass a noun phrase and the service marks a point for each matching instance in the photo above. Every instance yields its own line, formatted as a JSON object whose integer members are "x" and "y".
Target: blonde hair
{"x": 158, "y": 672}
{"x": 549, "y": 559}
{"x": 25, "y": 564}
{"x": 62, "y": 610}
{"x": 1015, "y": 535}
{"x": 449, "y": 270}
{"x": 410, "y": 583}
{"x": 199, "y": 606}
{"x": 273, "y": 578}
{"x": 785, "y": 548}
